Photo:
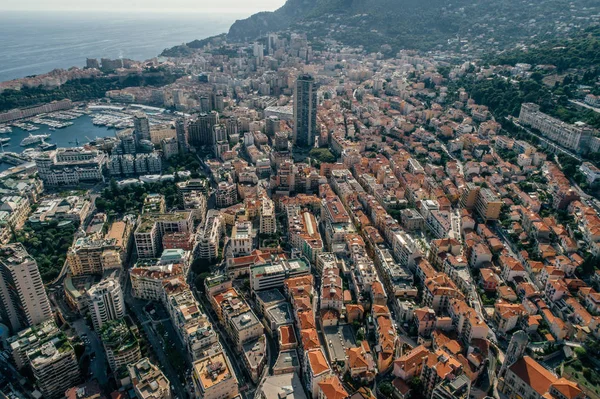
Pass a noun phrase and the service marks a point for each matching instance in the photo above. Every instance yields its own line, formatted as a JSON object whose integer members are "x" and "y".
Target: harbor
{"x": 21, "y": 140}
{"x": 78, "y": 130}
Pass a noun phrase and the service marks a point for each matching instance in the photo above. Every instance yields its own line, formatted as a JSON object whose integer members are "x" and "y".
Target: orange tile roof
{"x": 317, "y": 361}
{"x": 310, "y": 339}
{"x": 568, "y": 388}
{"x": 287, "y": 335}
{"x": 306, "y": 319}
{"x": 533, "y": 374}
{"x": 332, "y": 388}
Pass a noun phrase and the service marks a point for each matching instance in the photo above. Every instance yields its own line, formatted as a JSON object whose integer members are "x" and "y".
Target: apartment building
{"x": 70, "y": 166}
{"x": 54, "y": 367}
{"x": 106, "y": 302}
{"x": 272, "y": 274}
{"x": 213, "y": 377}
{"x": 526, "y": 378}
{"x": 316, "y": 369}
{"x": 226, "y": 194}
{"x": 209, "y": 236}
{"x": 192, "y": 325}
{"x": 23, "y": 298}
{"x": 488, "y": 205}
{"x": 148, "y": 380}
{"x": 147, "y": 279}
{"x": 29, "y": 339}
{"x": 152, "y": 227}
{"x": 573, "y": 137}
{"x": 14, "y": 211}
{"x": 93, "y": 256}
{"x": 242, "y": 239}
{"x": 268, "y": 223}
{"x": 120, "y": 344}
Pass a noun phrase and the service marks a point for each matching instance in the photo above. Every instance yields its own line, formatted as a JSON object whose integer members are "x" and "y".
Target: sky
{"x": 206, "y": 6}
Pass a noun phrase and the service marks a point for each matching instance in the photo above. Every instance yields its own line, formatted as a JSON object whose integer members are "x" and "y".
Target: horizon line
{"x": 143, "y": 10}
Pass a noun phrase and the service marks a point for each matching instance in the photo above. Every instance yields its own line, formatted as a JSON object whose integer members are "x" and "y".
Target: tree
{"x": 386, "y": 389}
{"x": 322, "y": 155}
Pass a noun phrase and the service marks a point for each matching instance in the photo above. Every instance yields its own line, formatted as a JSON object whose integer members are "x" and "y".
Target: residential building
{"x": 152, "y": 227}
{"x": 316, "y": 369}
{"x": 120, "y": 344}
{"x": 242, "y": 239}
{"x": 226, "y": 194}
{"x": 54, "y": 367}
{"x": 141, "y": 126}
{"x": 93, "y": 256}
{"x": 305, "y": 112}
{"x": 526, "y": 378}
{"x": 22, "y": 293}
{"x": 488, "y": 206}
{"x": 106, "y": 302}
{"x": 272, "y": 274}
{"x": 209, "y": 236}
{"x": 282, "y": 386}
{"x": 148, "y": 380}
{"x": 70, "y": 166}
{"x": 213, "y": 377}
{"x": 572, "y": 137}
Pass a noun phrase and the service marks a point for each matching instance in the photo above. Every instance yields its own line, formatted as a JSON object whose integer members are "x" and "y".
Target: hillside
{"x": 428, "y": 24}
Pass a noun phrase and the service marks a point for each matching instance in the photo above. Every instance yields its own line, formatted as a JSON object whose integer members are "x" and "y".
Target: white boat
{"x": 4, "y": 140}
{"x": 33, "y": 139}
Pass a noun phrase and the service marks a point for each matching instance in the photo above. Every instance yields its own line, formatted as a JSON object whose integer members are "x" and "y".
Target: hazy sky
{"x": 220, "y": 6}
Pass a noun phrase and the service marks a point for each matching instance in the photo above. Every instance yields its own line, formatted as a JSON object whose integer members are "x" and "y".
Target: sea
{"x": 37, "y": 42}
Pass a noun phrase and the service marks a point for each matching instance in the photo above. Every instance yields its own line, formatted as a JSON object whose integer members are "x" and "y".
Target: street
{"x": 95, "y": 349}
{"x": 137, "y": 308}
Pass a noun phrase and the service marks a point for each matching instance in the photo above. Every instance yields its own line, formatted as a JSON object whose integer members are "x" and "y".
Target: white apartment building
{"x": 55, "y": 368}
{"x": 23, "y": 297}
{"x": 209, "y": 235}
{"x": 574, "y": 137}
{"x": 268, "y": 223}
{"x": 272, "y": 275}
{"x": 70, "y": 166}
{"x": 242, "y": 239}
{"x": 106, "y": 302}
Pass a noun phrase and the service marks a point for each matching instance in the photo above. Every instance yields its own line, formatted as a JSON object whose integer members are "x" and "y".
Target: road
{"x": 137, "y": 307}
{"x": 98, "y": 363}
{"x": 584, "y": 105}
{"x": 242, "y": 376}
{"x": 14, "y": 377}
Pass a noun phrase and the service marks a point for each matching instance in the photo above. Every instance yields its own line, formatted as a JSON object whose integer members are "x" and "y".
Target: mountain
{"x": 422, "y": 24}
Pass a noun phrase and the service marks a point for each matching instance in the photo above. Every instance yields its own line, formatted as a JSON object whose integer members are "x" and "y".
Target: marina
{"x": 78, "y": 132}
{"x": 96, "y": 124}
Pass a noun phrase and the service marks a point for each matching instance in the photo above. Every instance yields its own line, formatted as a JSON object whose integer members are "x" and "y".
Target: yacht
{"x": 33, "y": 139}
{"x": 46, "y": 146}
{"x": 4, "y": 140}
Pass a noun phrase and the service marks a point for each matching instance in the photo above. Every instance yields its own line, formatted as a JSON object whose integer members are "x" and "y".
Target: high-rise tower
{"x": 305, "y": 111}
{"x": 182, "y": 135}
{"x": 106, "y": 302}
{"x": 141, "y": 126}
{"x": 23, "y": 299}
